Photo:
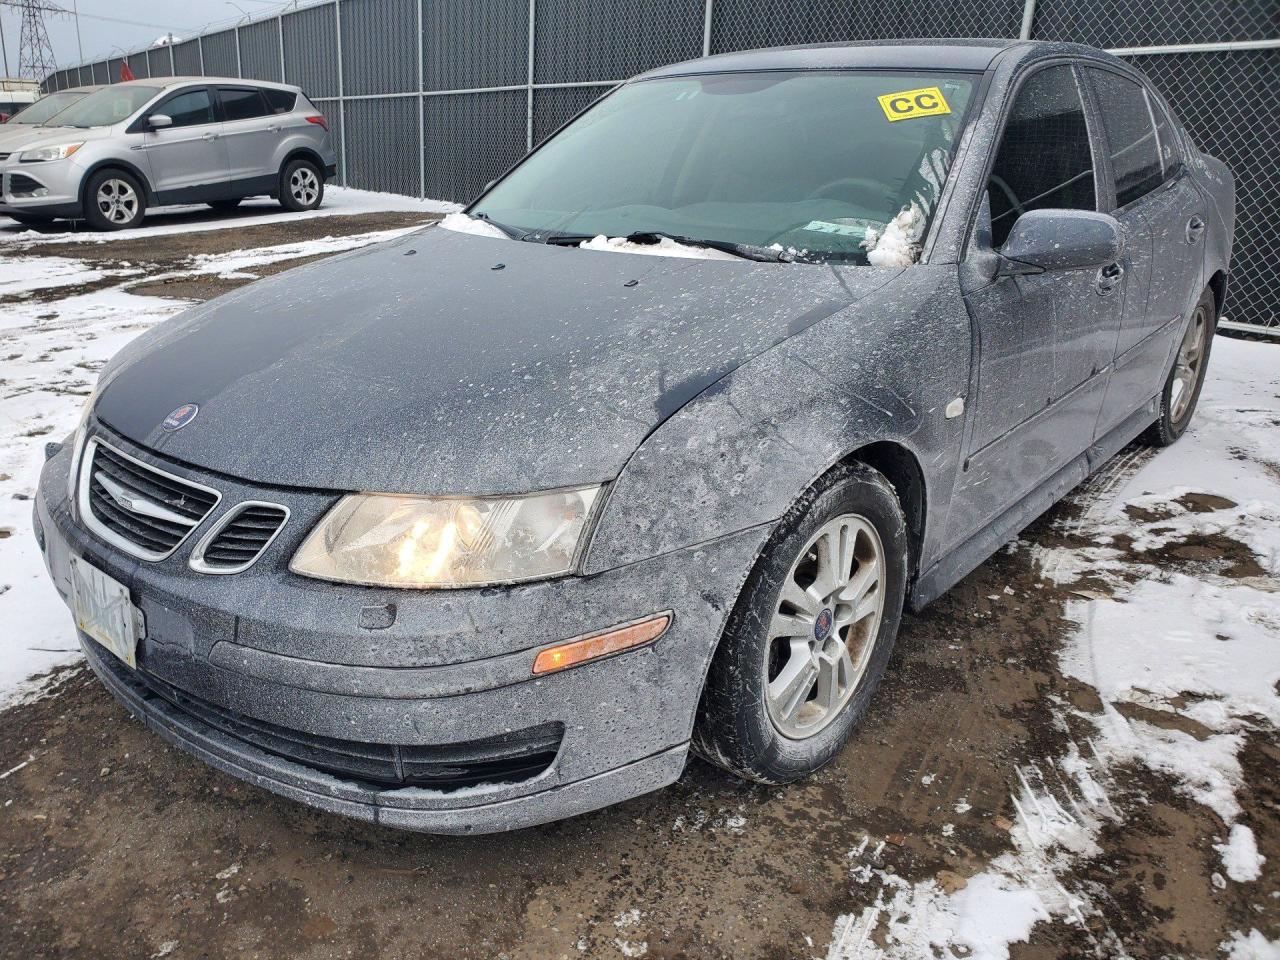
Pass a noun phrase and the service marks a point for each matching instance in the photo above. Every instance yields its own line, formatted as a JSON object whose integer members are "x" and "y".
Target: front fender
{"x": 739, "y": 453}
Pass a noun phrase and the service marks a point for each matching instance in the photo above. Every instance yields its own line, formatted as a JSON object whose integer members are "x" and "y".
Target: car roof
{"x": 164, "y": 83}
{"x": 935, "y": 54}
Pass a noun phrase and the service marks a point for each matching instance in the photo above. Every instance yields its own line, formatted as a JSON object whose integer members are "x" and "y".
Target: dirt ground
{"x": 113, "y": 844}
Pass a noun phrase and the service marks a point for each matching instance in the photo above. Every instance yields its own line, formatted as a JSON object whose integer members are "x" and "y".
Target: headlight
{"x": 77, "y": 444}
{"x": 41, "y": 154}
{"x": 397, "y": 541}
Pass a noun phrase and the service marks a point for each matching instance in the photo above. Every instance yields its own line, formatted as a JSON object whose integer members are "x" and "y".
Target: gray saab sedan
{"x": 649, "y": 449}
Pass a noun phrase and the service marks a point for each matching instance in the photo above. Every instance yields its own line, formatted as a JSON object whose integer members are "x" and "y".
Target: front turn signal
{"x": 597, "y": 645}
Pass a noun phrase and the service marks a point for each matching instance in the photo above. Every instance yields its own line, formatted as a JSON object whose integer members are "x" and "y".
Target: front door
{"x": 1045, "y": 340}
{"x": 1155, "y": 199}
{"x": 188, "y": 160}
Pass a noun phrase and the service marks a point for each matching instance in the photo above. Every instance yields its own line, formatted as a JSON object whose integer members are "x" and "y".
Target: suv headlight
{"x": 77, "y": 444}
{"x": 44, "y": 154}
{"x": 400, "y": 541}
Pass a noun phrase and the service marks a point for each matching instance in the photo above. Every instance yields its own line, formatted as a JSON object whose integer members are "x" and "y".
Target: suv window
{"x": 280, "y": 101}
{"x": 1044, "y": 159}
{"x": 241, "y": 104}
{"x": 1131, "y": 136}
{"x": 188, "y": 109}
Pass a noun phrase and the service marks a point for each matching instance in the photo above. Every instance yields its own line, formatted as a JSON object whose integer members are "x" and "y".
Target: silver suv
{"x": 148, "y": 143}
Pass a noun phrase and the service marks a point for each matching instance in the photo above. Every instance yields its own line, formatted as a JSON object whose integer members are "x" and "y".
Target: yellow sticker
{"x": 909, "y": 104}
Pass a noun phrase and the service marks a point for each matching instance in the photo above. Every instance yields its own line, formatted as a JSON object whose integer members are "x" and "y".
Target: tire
{"x": 114, "y": 200}
{"x": 746, "y": 722}
{"x": 225, "y": 204}
{"x": 1182, "y": 388}
{"x": 301, "y": 185}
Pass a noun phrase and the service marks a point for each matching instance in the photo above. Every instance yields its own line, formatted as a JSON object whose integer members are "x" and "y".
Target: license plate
{"x": 103, "y": 610}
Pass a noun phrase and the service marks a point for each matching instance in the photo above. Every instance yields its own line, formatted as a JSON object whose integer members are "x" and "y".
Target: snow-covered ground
{"x": 1204, "y": 648}
{"x": 49, "y": 356}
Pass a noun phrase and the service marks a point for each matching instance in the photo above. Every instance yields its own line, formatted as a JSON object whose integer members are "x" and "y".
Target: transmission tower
{"x": 35, "y": 52}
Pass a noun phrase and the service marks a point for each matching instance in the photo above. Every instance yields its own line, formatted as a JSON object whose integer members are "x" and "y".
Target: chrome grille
{"x": 145, "y": 511}
{"x": 239, "y": 538}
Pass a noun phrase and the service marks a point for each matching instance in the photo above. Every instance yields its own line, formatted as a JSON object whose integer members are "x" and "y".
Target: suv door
{"x": 1044, "y": 340}
{"x": 252, "y": 132}
{"x": 1157, "y": 202}
{"x": 188, "y": 160}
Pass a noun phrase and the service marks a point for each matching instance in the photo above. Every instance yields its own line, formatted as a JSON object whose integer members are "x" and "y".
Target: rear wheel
{"x": 1181, "y": 390}
{"x": 301, "y": 185}
{"x": 114, "y": 200}
{"x": 810, "y": 636}
{"x": 225, "y": 204}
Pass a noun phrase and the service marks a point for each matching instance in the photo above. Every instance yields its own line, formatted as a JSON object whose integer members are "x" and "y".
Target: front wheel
{"x": 1182, "y": 388}
{"x": 114, "y": 200}
{"x": 301, "y": 185}
{"x": 810, "y": 636}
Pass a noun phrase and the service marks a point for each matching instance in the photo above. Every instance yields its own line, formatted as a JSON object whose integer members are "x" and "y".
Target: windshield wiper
{"x": 746, "y": 251}
{"x": 513, "y": 232}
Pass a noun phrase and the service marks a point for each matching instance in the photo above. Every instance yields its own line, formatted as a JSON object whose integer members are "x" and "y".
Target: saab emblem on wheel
{"x": 822, "y": 625}
{"x": 180, "y": 417}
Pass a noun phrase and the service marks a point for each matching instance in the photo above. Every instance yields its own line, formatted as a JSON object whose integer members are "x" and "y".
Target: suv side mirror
{"x": 158, "y": 121}
{"x": 1043, "y": 240}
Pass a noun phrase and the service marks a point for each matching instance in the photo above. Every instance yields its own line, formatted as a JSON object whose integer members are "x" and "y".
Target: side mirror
{"x": 158, "y": 121}
{"x": 1044, "y": 240}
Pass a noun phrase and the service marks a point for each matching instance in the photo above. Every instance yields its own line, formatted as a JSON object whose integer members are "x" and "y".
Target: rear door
{"x": 251, "y": 131}
{"x": 1156, "y": 201}
{"x": 189, "y": 159}
{"x": 1044, "y": 340}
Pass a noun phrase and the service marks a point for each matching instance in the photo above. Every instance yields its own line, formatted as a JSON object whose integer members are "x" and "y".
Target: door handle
{"x": 1195, "y": 229}
{"x": 209, "y": 136}
{"x": 1109, "y": 277}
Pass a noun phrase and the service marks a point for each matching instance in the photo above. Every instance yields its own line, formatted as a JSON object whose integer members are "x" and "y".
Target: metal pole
{"x": 239, "y": 69}
{"x": 1028, "y": 17}
{"x": 75, "y": 9}
{"x": 200, "y": 47}
{"x": 280, "y": 37}
{"x": 706, "y": 27}
{"x": 422, "y": 132}
{"x": 173, "y": 65}
{"x": 528, "y": 93}
{"x": 4, "y": 48}
{"x": 342, "y": 103}
{"x": 1228, "y": 46}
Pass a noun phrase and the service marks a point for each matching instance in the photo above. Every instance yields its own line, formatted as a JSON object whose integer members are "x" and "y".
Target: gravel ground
{"x": 113, "y": 844}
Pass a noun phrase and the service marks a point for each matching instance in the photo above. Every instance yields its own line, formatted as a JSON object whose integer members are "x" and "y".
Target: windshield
{"x": 816, "y": 163}
{"x": 106, "y": 107}
{"x": 46, "y": 107}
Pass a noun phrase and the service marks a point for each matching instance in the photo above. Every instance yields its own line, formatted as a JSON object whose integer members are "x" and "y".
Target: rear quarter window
{"x": 280, "y": 101}
{"x": 1134, "y": 146}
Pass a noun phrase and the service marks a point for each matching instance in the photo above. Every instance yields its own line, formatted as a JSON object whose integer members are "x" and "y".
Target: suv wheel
{"x": 1182, "y": 388}
{"x": 114, "y": 200}
{"x": 811, "y": 634}
{"x": 301, "y": 185}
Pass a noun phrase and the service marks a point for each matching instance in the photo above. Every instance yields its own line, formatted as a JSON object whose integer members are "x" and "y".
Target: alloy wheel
{"x": 1186, "y": 370}
{"x": 824, "y": 628}
{"x": 304, "y": 185}
{"x": 117, "y": 201}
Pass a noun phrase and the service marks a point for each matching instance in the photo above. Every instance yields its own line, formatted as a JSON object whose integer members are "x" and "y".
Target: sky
{"x": 103, "y": 26}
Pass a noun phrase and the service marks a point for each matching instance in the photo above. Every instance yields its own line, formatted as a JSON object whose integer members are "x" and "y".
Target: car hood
{"x": 28, "y": 136}
{"x": 454, "y": 364}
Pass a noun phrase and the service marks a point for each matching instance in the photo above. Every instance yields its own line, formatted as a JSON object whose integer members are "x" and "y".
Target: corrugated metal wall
{"x": 437, "y": 97}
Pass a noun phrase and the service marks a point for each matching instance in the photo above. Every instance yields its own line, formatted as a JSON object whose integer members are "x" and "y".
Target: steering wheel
{"x": 864, "y": 192}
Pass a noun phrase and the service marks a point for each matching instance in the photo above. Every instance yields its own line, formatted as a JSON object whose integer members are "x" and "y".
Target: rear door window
{"x": 188, "y": 109}
{"x": 1044, "y": 160}
{"x": 1131, "y": 136}
{"x": 239, "y": 103}
{"x": 280, "y": 101}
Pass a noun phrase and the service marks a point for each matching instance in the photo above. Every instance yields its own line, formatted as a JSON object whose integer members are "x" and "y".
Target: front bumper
{"x": 48, "y": 189}
{"x": 450, "y": 668}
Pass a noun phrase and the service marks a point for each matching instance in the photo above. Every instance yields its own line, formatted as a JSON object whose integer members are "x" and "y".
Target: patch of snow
{"x": 1253, "y": 946}
{"x": 461, "y": 223}
{"x": 25, "y": 275}
{"x": 1240, "y": 856}
{"x": 237, "y": 263}
{"x": 665, "y": 247}
{"x": 898, "y": 245}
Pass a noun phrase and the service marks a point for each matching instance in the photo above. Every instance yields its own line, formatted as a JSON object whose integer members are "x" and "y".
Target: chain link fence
{"x": 435, "y": 98}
